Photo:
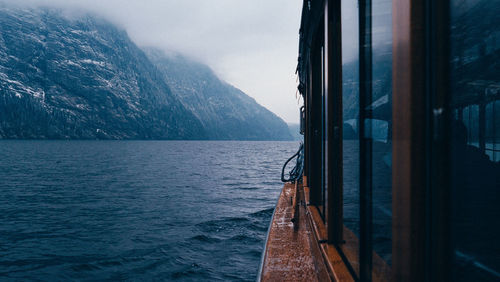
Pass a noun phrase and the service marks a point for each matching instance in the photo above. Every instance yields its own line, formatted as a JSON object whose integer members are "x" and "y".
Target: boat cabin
{"x": 401, "y": 124}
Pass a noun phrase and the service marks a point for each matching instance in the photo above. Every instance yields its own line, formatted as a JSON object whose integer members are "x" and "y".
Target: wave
{"x": 193, "y": 271}
{"x": 266, "y": 213}
{"x": 205, "y": 239}
{"x": 244, "y": 239}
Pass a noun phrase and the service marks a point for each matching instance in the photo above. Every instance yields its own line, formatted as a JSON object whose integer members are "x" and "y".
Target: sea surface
{"x": 136, "y": 210}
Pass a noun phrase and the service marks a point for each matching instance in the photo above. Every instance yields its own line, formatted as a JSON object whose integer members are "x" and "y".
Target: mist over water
{"x": 132, "y": 210}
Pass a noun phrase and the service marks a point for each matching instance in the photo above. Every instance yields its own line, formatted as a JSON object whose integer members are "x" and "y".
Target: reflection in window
{"x": 324, "y": 135}
{"x": 493, "y": 130}
{"x": 380, "y": 131}
{"x": 475, "y": 167}
{"x": 350, "y": 116}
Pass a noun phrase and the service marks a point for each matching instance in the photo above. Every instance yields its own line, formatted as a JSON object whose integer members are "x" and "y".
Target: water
{"x": 130, "y": 210}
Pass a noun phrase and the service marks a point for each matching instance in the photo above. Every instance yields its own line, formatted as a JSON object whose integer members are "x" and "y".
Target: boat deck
{"x": 290, "y": 254}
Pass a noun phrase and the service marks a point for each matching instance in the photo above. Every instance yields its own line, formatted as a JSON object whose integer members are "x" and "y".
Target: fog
{"x": 250, "y": 44}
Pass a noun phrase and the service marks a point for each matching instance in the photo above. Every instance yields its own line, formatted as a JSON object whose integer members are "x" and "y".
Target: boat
{"x": 398, "y": 176}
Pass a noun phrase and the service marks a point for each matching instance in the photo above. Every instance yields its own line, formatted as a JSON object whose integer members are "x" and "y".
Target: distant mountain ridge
{"x": 225, "y": 111}
{"x": 295, "y": 131}
{"x": 83, "y": 78}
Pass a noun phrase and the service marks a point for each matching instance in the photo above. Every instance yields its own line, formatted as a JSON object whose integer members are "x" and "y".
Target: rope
{"x": 296, "y": 172}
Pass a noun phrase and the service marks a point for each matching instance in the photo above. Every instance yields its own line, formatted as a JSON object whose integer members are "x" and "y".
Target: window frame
{"x": 420, "y": 111}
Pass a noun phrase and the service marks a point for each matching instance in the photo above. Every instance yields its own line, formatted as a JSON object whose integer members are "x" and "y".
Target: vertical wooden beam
{"x": 408, "y": 161}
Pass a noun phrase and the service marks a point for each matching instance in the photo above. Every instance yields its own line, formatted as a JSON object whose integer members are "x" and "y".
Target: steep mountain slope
{"x": 295, "y": 131}
{"x": 81, "y": 78}
{"x": 225, "y": 111}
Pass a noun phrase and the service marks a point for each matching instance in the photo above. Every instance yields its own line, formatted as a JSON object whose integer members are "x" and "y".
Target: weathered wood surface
{"x": 291, "y": 255}
{"x": 335, "y": 265}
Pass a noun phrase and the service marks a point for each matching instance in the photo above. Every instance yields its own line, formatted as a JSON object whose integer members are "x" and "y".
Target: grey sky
{"x": 250, "y": 44}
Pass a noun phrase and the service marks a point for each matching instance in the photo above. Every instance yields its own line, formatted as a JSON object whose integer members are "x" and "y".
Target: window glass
{"x": 324, "y": 142}
{"x": 493, "y": 130}
{"x": 380, "y": 132}
{"x": 475, "y": 126}
{"x": 350, "y": 116}
{"x": 317, "y": 171}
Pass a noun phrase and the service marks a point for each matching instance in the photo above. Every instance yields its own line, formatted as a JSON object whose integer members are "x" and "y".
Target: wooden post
{"x": 408, "y": 161}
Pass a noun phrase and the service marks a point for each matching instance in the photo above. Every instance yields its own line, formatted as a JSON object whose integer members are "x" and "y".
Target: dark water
{"x": 169, "y": 210}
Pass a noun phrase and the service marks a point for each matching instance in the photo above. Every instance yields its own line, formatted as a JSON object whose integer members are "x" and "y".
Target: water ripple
{"x": 132, "y": 210}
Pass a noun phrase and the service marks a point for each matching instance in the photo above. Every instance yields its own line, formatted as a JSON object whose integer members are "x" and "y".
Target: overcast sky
{"x": 250, "y": 44}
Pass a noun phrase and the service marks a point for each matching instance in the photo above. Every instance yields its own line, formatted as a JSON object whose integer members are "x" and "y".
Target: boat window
{"x": 475, "y": 129}
{"x": 319, "y": 123}
{"x": 379, "y": 132}
{"x": 324, "y": 134}
{"x": 350, "y": 134}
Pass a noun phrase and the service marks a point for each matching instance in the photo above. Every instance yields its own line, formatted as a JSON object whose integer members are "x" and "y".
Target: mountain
{"x": 80, "y": 77}
{"x": 225, "y": 111}
{"x": 295, "y": 131}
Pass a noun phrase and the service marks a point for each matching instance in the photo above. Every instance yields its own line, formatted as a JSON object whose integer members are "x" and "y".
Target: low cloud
{"x": 251, "y": 44}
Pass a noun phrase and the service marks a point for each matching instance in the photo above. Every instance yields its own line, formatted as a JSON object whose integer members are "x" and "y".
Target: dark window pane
{"x": 350, "y": 116}
{"x": 379, "y": 128}
{"x": 324, "y": 139}
{"x": 475, "y": 127}
{"x": 317, "y": 172}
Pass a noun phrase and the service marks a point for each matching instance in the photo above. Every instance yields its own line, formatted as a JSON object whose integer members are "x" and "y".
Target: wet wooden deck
{"x": 291, "y": 254}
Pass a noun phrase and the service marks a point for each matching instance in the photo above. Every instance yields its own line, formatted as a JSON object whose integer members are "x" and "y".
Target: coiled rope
{"x": 296, "y": 172}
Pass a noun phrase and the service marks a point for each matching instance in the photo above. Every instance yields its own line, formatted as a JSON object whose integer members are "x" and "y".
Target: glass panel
{"x": 350, "y": 116}
{"x": 380, "y": 131}
{"x": 470, "y": 119}
{"x": 317, "y": 118}
{"x": 493, "y": 130}
{"x": 475, "y": 170}
{"x": 324, "y": 156}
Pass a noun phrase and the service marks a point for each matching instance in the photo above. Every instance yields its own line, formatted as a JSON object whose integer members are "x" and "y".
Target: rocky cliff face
{"x": 83, "y": 78}
{"x": 225, "y": 111}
